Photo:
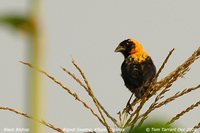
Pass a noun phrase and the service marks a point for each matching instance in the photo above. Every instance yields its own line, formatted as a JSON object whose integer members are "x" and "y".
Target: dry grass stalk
{"x": 179, "y": 72}
{"x": 185, "y": 68}
{"x": 120, "y": 116}
{"x": 74, "y": 77}
{"x": 144, "y": 116}
{"x": 178, "y": 94}
{"x": 161, "y": 94}
{"x": 67, "y": 89}
{"x": 133, "y": 104}
{"x": 146, "y": 96}
{"x": 163, "y": 64}
{"x": 91, "y": 93}
{"x": 191, "y": 107}
{"x": 34, "y": 119}
{"x": 79, "y": 81}
{"x": 158, "y": 105}
{"x": 126, "y": 120}
{"x": 195, "y": 128}
{"x": 163, "y": 86}
{"x": 89, "y": 90}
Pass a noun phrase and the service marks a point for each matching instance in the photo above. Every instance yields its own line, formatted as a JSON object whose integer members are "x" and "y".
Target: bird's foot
{"x": 128, "y": 105}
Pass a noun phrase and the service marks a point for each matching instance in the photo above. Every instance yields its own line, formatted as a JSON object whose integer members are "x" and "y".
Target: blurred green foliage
{"x": 18, "y": 22}
{"x": 28, "y": 25}
{"x": 155, "y": 127}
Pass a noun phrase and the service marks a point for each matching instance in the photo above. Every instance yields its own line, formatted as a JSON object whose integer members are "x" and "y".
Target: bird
{"x": 137, "y": 69}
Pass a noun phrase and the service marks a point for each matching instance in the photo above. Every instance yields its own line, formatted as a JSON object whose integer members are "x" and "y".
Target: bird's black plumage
{"x": 137, "y": 69}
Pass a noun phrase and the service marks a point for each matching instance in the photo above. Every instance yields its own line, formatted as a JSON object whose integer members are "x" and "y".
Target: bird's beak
{"x": 119, "y": 49}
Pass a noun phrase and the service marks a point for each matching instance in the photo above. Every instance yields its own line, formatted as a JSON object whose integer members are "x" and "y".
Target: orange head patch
{"x": 138, "y": 53}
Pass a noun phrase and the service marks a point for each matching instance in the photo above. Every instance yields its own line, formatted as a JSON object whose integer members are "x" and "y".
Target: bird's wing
{"x": 132, "y": 74}
{"x": 149, "y": 70}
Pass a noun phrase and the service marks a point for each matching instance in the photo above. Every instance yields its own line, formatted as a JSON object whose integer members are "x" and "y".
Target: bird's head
{"x": 130, "y": 47}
